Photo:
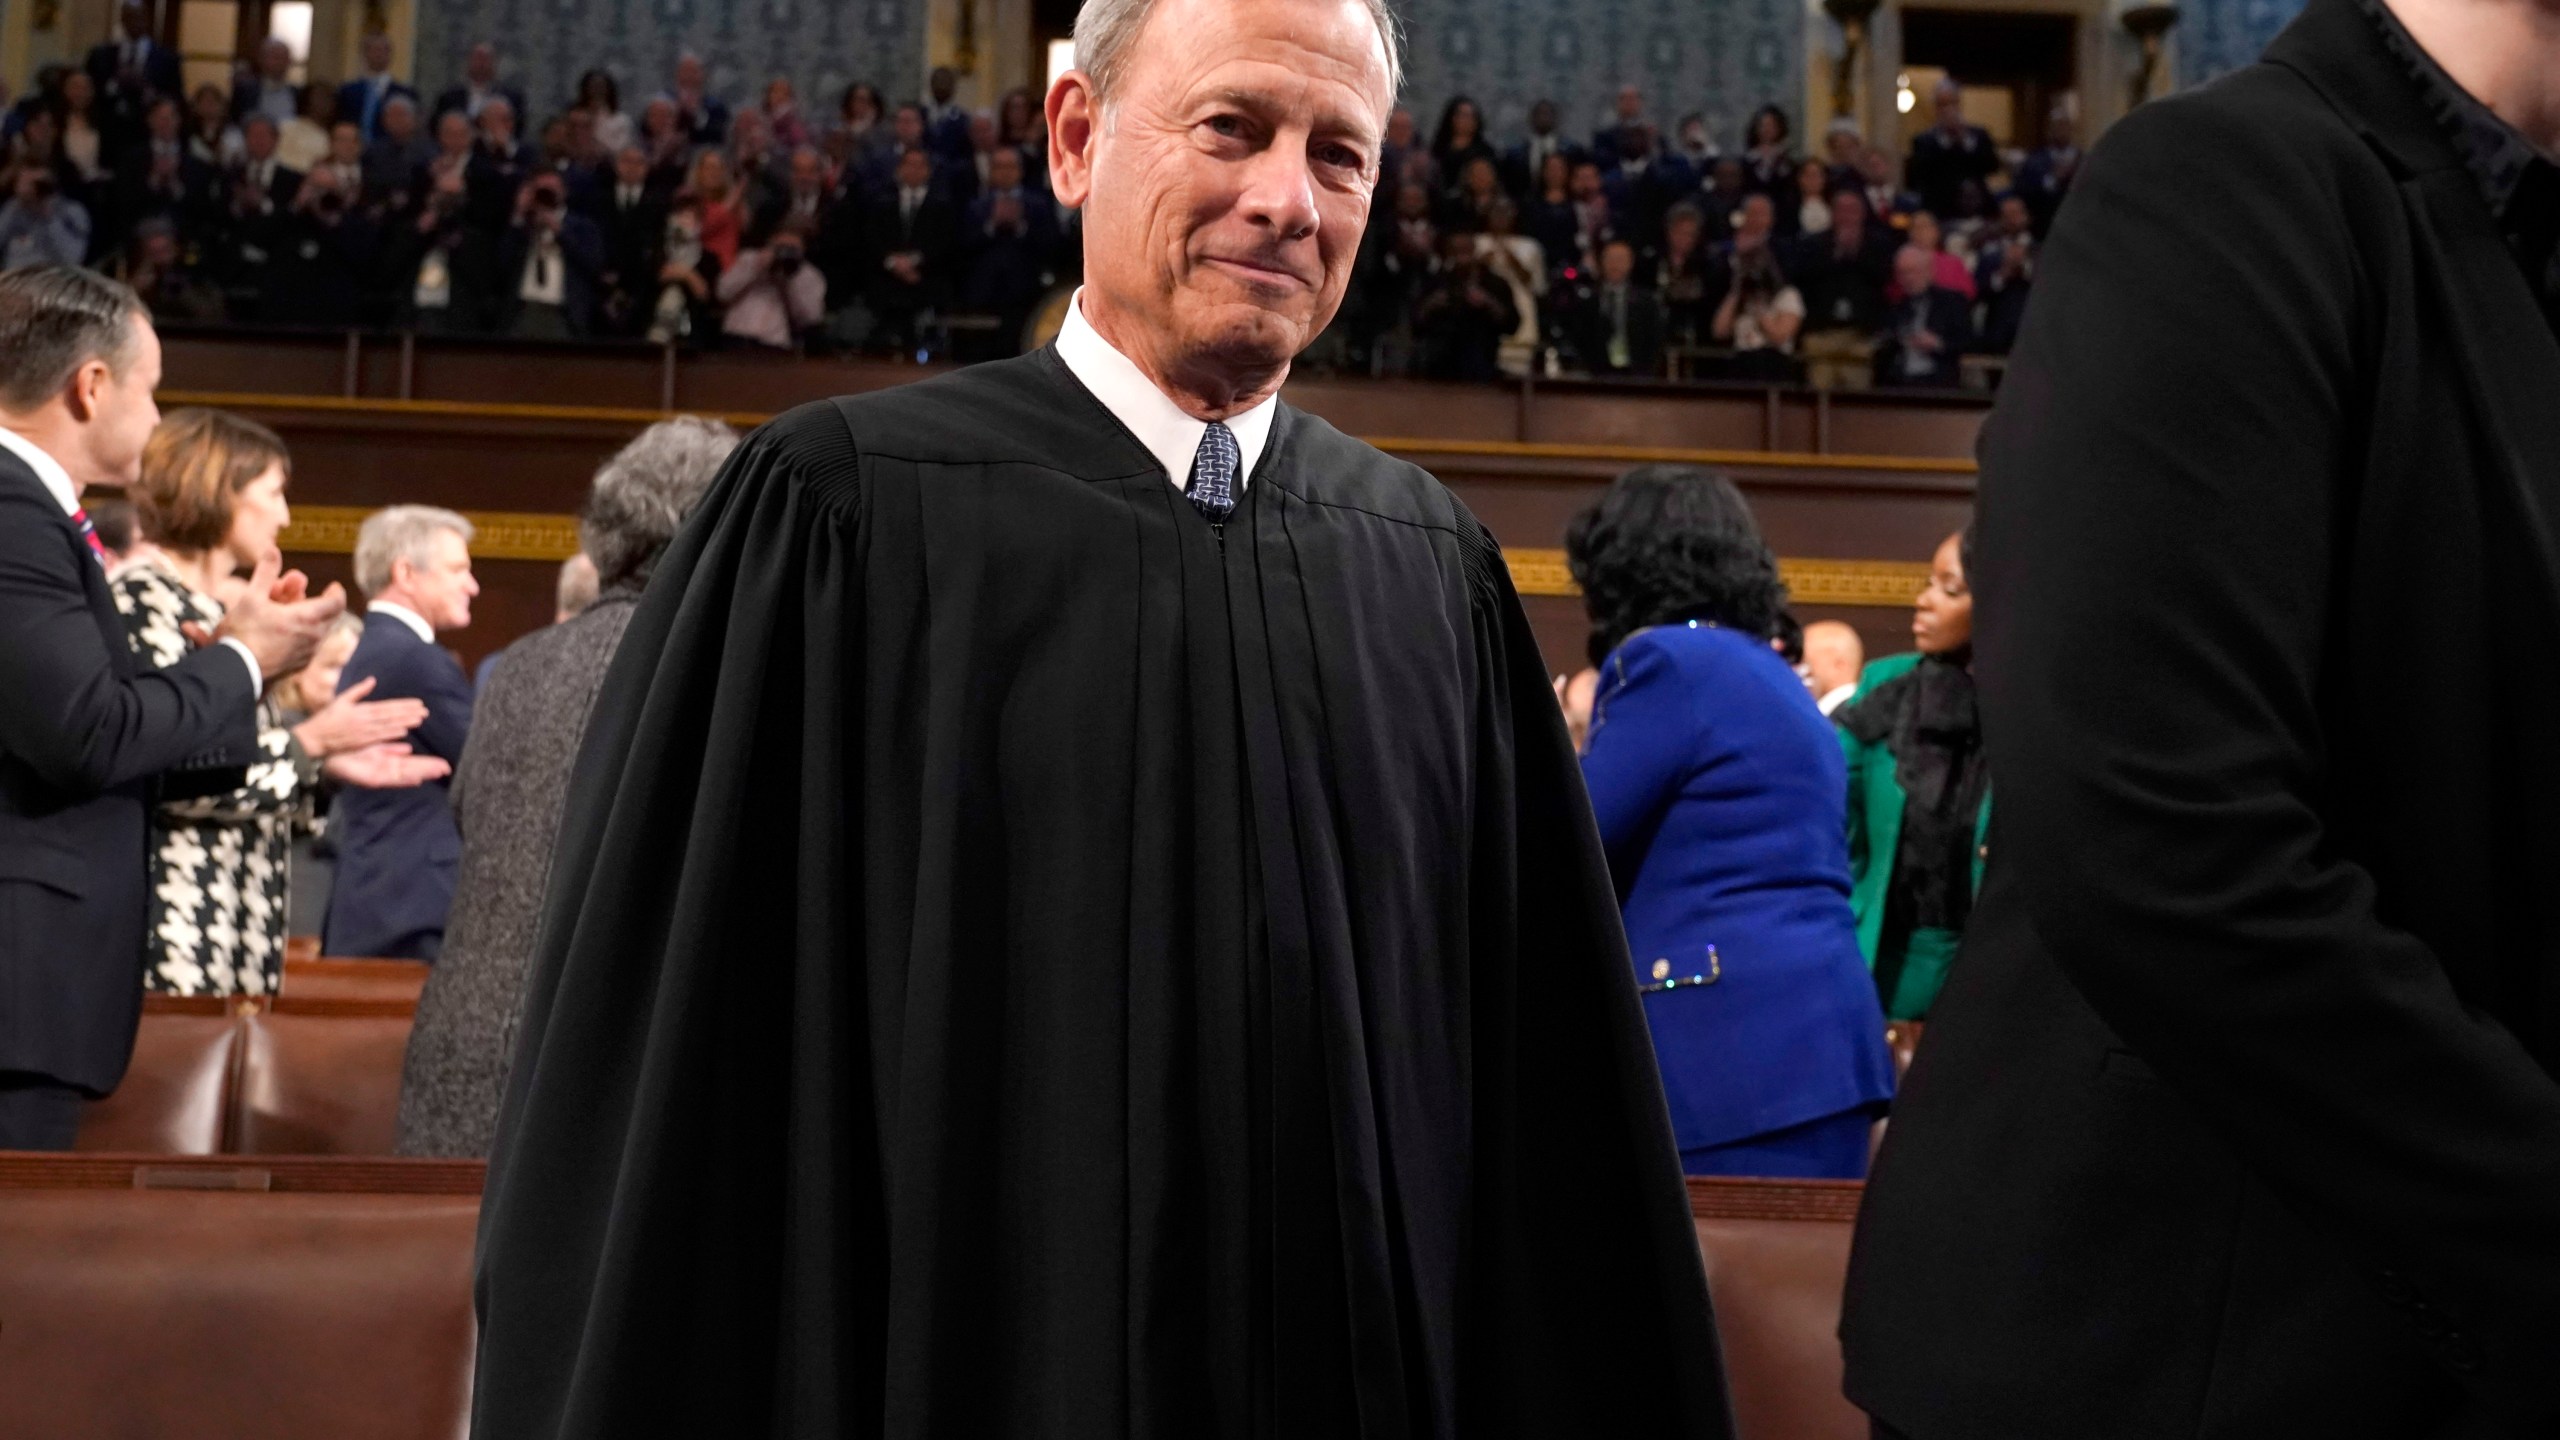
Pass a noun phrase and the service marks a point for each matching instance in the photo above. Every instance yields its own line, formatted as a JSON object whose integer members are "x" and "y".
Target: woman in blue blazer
{"x": 1721, "y": 794}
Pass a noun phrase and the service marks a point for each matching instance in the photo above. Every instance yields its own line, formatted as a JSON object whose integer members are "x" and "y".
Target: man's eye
{"x": 1230, "y": 126}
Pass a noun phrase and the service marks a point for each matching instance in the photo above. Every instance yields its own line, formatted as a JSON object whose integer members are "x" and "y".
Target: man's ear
{"x": 1075, "y": 125}
{"x": 81, "y": 394}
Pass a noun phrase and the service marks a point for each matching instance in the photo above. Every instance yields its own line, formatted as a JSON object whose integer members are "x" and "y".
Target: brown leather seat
{"x": 1777, "y": 1256}
{"x": 319, "y": 1084}
{"x": 176, "y": 1098}
{"x": 221, "y": 1314}
{"x": 388, "y": 981}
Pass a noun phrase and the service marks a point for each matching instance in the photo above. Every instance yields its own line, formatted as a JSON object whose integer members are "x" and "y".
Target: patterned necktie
{"x": 1213, "y": 473}
{"x": 89, "y": 533}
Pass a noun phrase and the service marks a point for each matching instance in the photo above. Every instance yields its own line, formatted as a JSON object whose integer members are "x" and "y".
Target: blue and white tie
{"x": 1213, "y": 473}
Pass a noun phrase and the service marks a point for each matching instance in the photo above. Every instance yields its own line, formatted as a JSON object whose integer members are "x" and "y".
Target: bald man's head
{"x": 1833, "y": 655}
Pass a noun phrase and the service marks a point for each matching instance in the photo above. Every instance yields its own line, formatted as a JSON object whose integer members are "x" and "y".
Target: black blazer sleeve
{"x": 2165, "y": 501}
{"x": 430, "y": 673}
{"x": 78, "y": 719}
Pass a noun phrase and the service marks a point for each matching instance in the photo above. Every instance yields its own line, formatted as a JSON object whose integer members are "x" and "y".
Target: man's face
{"x": 1912, "y": 268}
{"x": 748, "y": 132}
{"x": 914, "y": 170}
{"x": 908, "y": 127}
{"x": 1843, "y": 147}
{"x": 498, "y": 122}
{"x": 982, "y": 133}
{"x": 1757, "y": 215}
{"x": 944, "y": 85}
{"x": 1400, "y": 128}
{"x": 1617, "y": 262}
{"x": 1412, "y": 201}
{"x": 1630, "y": 103}
{"x": 399, "y": 120}
{"x": 1680, "y": 231}
{"x": 210, "y": 106}
{"x": 122, "y": 413}
{"x": 259, "y": 137}
{"x": 274, "y": 59}
{"x": 1004, "y": 169}
{"x": 1586, "y": 182}
{"x": 160, "y": 249}
{"x": 631, "y": 166}
{"x": 482, "y": 65}
{"x": 135, "y": 20}
{"x": 1950, "y": 105}
{"x": 1542, "y": 118}
{"x": 1876, "y": 166}
{"x": 1225, "y": 187}
{"x": 438, "y": 584}
{"x": 1848, "y": 213}
{"x": 1728, "y": 177}
{"x": 163, "y": 120}
{"x": 689, "y": 74}
{"x": 2014, "y": 218}
{"x": 377, "y": 52}
{"x": 453, "y": 132}
{"x": 346, "y": 143}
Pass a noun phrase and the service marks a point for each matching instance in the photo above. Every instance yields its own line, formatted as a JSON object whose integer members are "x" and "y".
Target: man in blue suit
{"x": 362, "y": 99}
{"x": 397, "y": 848}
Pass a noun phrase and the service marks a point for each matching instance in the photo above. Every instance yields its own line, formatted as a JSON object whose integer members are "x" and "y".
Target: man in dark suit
{"x": 549, "y": 261}
{"x": 1011, "y": 232}
{"x": 1520, "y": 167}
{"x": 630, "y": 215}
{"x": 362, "y": 99}
{"x": 703, "y": 116}
{"x": 1617, "y": 324}
{"x": 258, "y": 218}
{"x": 392, "y": 158}
{"x": 129, "y": 70}
{"x": 2240, "y": 1113}
{"x": 397, "y": 848}
{"x": 480, "y": 85}
{"x": 1949, "y": 153}
{"x": 87, "y": 735}
{"x": 1927, "y": 332}
{"x": 946, "y": 121}
{"x": 158, "y": 177}
{"x": 1608, "y": 140}
{"x": 914, "y": 234}
{"x": 268, "y": 89}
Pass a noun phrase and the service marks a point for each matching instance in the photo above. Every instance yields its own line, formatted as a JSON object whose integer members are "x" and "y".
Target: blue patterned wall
{"x": 2218, "y": 35}
{"x": 821, "y": 44}
{"x": 1723, "y": 58}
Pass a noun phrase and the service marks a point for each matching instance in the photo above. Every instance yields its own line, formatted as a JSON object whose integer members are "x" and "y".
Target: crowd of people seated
{"x": 922, "y": 226}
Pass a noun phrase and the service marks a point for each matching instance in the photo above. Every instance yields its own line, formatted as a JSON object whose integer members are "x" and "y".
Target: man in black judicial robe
{"x": 2239, "y": 1116}
{"x": 1077, "y": 915}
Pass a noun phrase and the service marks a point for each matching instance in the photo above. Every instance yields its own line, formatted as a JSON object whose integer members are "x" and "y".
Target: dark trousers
{"x": 1885, "y": 1432}
{"x": 37, "y": 1112}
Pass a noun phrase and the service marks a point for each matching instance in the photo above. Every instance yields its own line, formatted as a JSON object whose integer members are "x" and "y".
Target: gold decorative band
{"x": 518, "y": 535}
{"x": 1885, "y": 583}
{"x": 500, "y": 534}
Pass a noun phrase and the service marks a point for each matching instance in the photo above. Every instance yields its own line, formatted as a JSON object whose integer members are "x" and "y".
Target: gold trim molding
{"x": 499, "y": 534}
{"x": 1883, "y": 584}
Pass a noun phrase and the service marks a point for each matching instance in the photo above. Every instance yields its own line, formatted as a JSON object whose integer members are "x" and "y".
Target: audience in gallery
{"x": 210, "y": 502}
{"x": 435, "y": 216}
{"x": 527, "y": 722}
{"x": 1721, "y": 796}
{"x": 1919, "y": 793}
{"x": 398, "y": 849}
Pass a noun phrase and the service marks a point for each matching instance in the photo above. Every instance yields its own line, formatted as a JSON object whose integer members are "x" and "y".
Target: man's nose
{"x": 1279, "y": 192}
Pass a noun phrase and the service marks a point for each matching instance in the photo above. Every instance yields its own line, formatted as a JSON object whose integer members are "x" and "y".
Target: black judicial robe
{"x": 1021, "y": 963}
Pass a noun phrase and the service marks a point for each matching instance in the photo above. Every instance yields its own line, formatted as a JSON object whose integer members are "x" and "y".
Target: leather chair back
{"x": 230, "y": 1314}
{"x": 1777, "y": 1256}
{"x": 319, "y": 1084}
{"x": 176, "y": 1097}
{"x": 396, "y": 982}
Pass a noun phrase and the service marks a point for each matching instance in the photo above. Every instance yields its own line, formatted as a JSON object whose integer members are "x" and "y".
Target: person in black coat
{"x": 1843, "y": 272}
{"x": 1927, "y": 332}
{"x": 480, "y": 85}
{"x": 258, "y": 219}
{"x": 914, "y": 243}
{"x": 362, "y": 99}
{"x": 397, "y": 849}
{"x": 1949, "y": 153}
{"x": 631, "y": 221}
{"x": 1464, "y": 315}
{"x": 550, "y": 261}
{"x": 1010, "y": 235}
{"x": 2240, "y": 1113}
{"x": 87, "y": 736}
{"x": 130, "y": 71}
{"x": 158, "y": 177}
{"x": 1526, "y": 162}
{"x": 1617, "y": 325}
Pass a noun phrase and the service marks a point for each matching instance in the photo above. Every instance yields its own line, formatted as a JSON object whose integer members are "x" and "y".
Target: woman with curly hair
{"x": 1721, "y": 795}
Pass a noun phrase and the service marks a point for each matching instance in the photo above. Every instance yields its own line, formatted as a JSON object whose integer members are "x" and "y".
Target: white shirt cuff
{"x": 257, "y": 677}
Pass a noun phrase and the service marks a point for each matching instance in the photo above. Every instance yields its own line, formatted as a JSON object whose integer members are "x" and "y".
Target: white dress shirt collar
{"x": 406, "y": 616}
{"x": 1169, "y": 434}
{"x": 57, "y": 481}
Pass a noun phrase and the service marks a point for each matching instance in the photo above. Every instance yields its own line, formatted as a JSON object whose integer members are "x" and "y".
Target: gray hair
{"x": 55, "y": 319}
{"x": 576, "y": 589}
{"x": 403, "y": 532}
{"x": 643, "y": 494}
{"x": 1107, "y": 29}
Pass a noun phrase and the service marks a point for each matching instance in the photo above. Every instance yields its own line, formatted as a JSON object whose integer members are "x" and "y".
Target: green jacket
{"x": 1875, "y": 816}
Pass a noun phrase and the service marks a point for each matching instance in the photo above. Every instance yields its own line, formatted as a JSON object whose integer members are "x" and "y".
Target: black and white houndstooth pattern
{"x": 218, "y": 864}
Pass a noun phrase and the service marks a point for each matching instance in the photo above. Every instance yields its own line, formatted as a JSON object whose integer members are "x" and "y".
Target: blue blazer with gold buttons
{"x": 1722, "y": 796}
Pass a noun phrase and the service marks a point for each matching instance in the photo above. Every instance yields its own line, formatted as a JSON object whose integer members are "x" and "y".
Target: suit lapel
{"x": 93, "y": 576}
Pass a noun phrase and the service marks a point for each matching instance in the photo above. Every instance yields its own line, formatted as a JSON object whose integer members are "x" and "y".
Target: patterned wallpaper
{"x": 2218, "y": 35}
{"x": 823, "y": 45}
{"x": 1722, "y": 58}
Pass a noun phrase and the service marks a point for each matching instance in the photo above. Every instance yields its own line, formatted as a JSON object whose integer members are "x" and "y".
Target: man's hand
{"x": 384, "y": 767}
{"x": 272, "y": 617}
{"x": 349, "y": 722}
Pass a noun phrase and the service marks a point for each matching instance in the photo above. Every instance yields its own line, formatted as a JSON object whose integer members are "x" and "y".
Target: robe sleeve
{"x": 685, "y": 1162}
{"x": 1579, "y": 1197}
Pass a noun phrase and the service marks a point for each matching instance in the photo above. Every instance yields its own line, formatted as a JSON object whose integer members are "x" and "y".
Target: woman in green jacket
{"x": 1919, "y": 793}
